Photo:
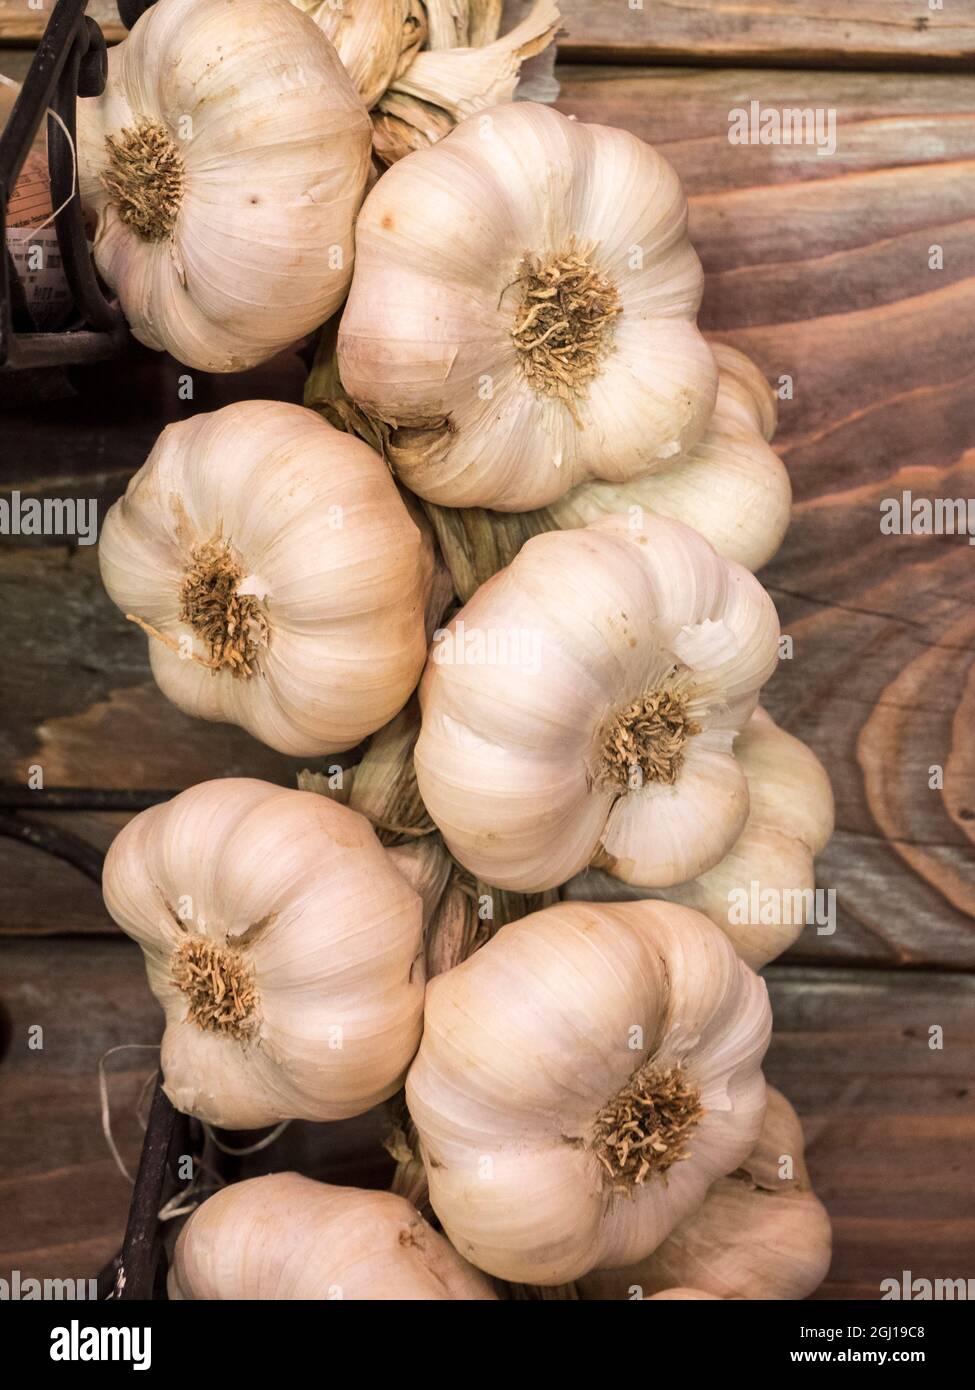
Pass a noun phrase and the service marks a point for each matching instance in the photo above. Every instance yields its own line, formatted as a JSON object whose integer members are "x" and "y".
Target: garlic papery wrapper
{"x": 583, "y": 706}
{"x": 283, "y": 945}
{"x": 278, "y": 572}
{"x": 521, "y": 318}
{"x": 421, "y": 65}
{"x": 288, "y": 1237}
{"x": 762, "y": 893}
{"x": 731, "y": 486}
{"x": 226, "y": 160}
{"x": 375, "y": 39}
{"x": 582, "y": 1081}
{"x": 761, "y": 1232}
{"x": 447, "y": 83}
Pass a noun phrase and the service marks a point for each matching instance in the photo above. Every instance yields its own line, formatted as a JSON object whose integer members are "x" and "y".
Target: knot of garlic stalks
{"x": 644, "y": 1129}
{"x": 422, "y": 65}
{"x": 233, "y": 625}
{"x": 144, "y": 179}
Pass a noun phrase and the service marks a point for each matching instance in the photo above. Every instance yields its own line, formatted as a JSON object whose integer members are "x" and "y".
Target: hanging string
{"x": 106, "y": 1109}
{"x": 251, "y": 1148}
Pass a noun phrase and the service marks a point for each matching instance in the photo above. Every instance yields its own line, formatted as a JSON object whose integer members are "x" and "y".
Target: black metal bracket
{"x": 71, "y": 61}
{"x": 138, "y": 1266}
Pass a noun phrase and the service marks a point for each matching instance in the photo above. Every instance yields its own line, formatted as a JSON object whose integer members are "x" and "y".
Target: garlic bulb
{"x": 582, "y": 1081}
{"x": 521, "y": 317}
{"x": 283, "y": 946}
{"x": 731, "y": 487}
{"x": 287, "y": 1237}
{"x": 761, "y": 1232}
{"x": 278, "y": 573}
{"x": 761, "y": 892}
{"x": 226, "y": 161}
{"x": 682, "y": 1295}
{"x": 583, "y": 706}
{"x": 422, "y": 65}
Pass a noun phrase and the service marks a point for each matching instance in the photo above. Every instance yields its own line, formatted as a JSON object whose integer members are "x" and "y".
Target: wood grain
{"x": 79, "y": 690}
{"x": 882, "y": 33}
{"x": 889, "y": 1122}
{"x": 23, "y": 22}
{"x": 63, "y": 1201}
{"x": 818, "y": 266}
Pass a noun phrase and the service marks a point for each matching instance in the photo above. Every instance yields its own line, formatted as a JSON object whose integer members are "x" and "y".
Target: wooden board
{"x": 882, "y": 33}
{"x": 63, "y": 1199}
{"x": 811, "y": 264}
{"x": 817, "y": 266}
{"x": 889, "y": 1122}
{"x": 834, "y": 33}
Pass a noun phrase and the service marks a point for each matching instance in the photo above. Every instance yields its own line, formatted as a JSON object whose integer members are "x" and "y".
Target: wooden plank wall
{"x": 821, "y": 268}
{"x": 911, "y": 34}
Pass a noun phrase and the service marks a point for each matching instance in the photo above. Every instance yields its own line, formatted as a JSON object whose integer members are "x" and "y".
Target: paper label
{"x": 36, "y": 255}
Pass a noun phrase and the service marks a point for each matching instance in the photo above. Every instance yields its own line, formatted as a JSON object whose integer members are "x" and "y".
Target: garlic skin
{"x": 684, "y": 1295}
{"x": 731, "y": 487}
{"x": 446, "y": 336}
{"x": 757, "y": 1236}
{"x": 278, "y": 572}
{"x": 460, "y": 73}
{"x": 224, "y": 223}
{"x": 790, "y": 819}
{"x": 534, "y": 757}
{"x": 422, "y": 65}
{"x": 529, "y": 1048}
{"x": 375, "y": 39}
{"x": 283, "y": 946}
{"x": 284, "y": 1236}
